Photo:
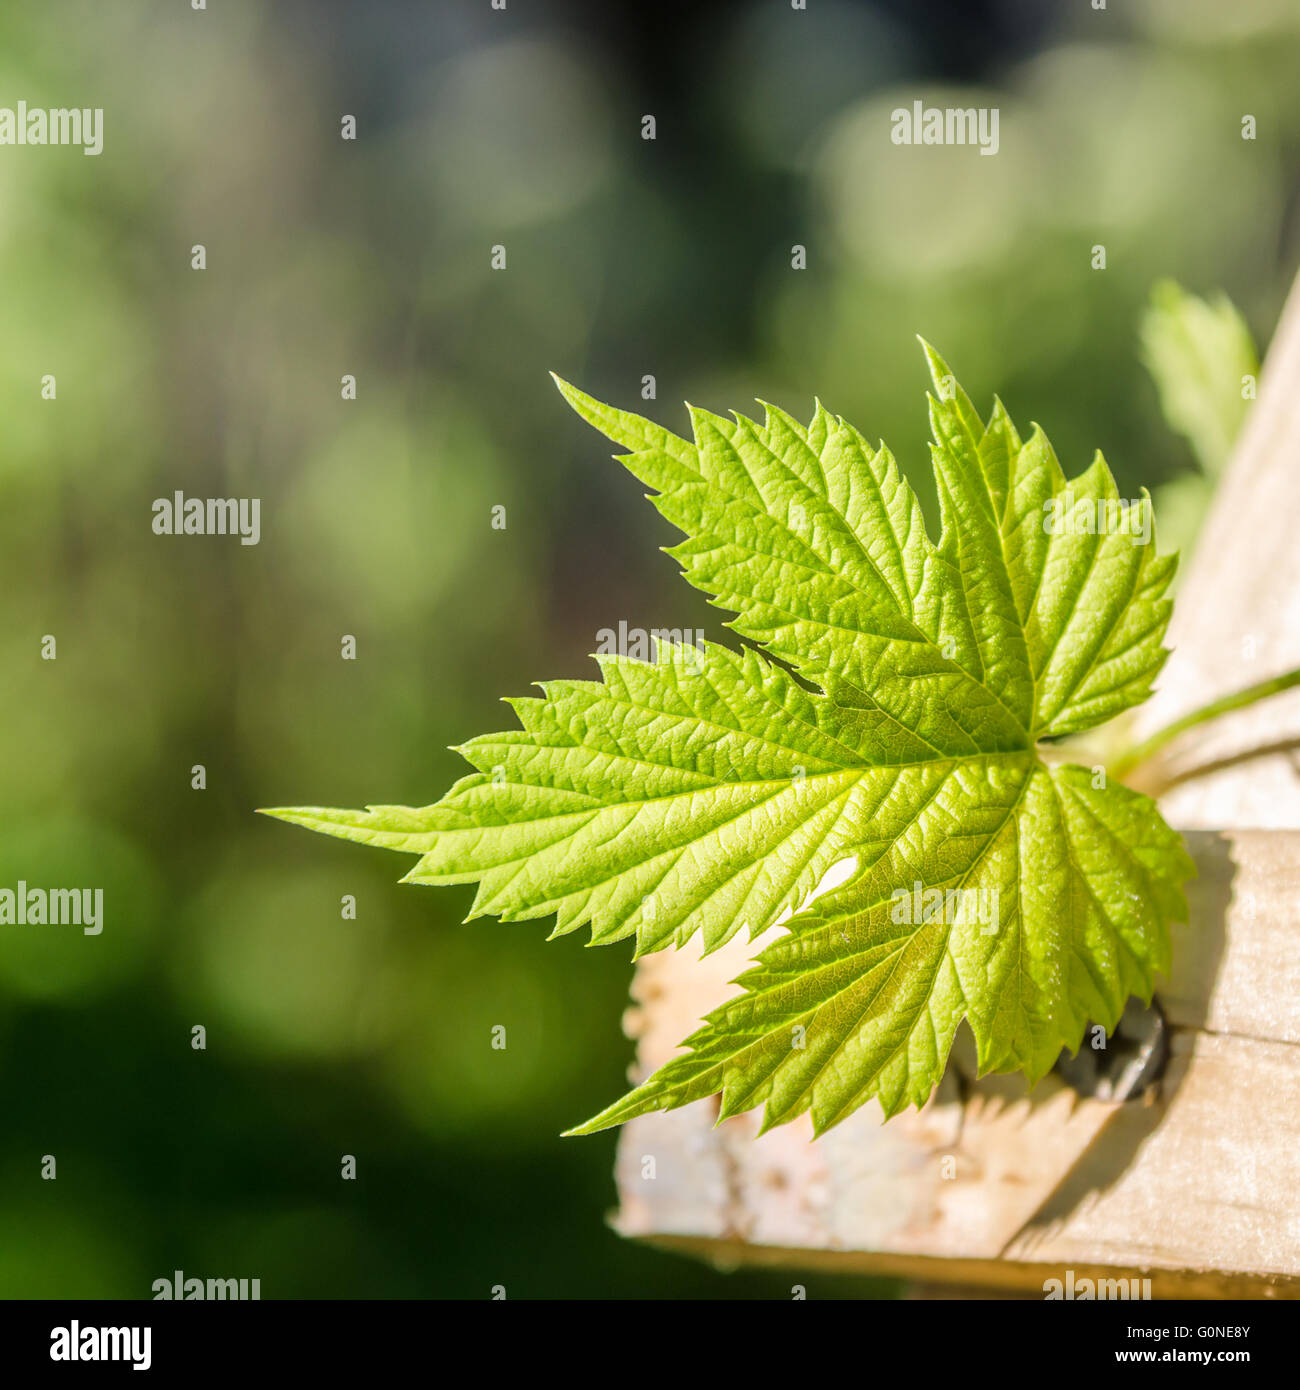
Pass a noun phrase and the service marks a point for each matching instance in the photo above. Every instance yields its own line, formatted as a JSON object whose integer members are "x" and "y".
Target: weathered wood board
{"x": 1200, "y": 1188}
{"x": 1237, "y": 621}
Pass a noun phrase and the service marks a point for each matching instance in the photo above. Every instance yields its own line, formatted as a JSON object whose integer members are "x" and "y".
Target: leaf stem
{"x": 1138, "y": 753}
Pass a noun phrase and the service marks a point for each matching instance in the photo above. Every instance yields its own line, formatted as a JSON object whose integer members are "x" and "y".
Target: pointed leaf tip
{"x": 940, "y": 372}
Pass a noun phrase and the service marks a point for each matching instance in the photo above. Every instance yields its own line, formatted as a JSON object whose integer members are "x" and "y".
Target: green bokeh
{"x": 329, "y": 1036}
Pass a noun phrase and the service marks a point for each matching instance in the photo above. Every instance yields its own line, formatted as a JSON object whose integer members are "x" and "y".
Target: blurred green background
{"x": 625, "y": 258}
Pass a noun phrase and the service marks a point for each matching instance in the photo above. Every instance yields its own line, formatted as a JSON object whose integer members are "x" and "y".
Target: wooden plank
{"x": 973, "y": 1278}
{"x": 1200, "y": 1186}
{"x": 1237, "y": 621}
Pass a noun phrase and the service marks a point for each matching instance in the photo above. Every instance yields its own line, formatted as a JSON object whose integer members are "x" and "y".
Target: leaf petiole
{"x": 1140, "y": 752}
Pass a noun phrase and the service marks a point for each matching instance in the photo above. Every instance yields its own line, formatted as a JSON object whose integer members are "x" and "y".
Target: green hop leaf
{"x": 1199, "y": 352}
{"x": 710, "y": 791}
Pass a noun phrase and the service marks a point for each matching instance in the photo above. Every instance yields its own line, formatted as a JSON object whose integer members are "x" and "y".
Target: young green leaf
{"x": 1199, "y": 353}
{"x": 1203, "y": 361}
{"x": 710, "y": 791}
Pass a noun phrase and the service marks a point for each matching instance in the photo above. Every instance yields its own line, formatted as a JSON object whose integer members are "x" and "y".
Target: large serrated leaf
{"x": 710, "y": 791}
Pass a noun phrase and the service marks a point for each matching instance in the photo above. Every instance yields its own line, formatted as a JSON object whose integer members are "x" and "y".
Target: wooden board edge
{"x": 998, "y": 1276}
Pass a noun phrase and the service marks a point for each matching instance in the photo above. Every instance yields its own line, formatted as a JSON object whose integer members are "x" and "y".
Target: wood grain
{"x": 1198, "y": 1188}
{"x": 1237, "y": 621}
